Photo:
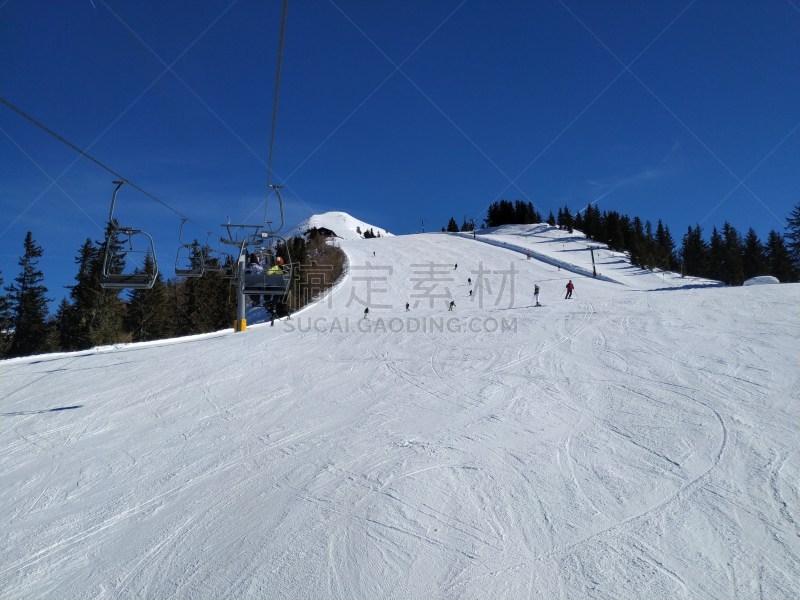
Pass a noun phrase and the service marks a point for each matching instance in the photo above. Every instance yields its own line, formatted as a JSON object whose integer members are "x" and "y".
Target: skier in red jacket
{"x": 570, "y": 287}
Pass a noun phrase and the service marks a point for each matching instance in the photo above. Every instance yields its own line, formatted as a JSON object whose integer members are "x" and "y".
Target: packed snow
{"x": 637, "y": 441}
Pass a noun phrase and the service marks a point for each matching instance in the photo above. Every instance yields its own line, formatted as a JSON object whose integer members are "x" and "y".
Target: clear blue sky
{"x": 688, "y": 111}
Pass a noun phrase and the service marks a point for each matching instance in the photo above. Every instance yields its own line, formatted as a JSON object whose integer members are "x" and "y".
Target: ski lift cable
{"x": 88, "y": 156}
{"x": 275, "y": 103}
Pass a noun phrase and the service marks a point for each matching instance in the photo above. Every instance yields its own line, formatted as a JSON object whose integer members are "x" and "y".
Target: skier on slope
{"x": 536, "y": 294}
{"x": 570, "y": 287}
{"x": 366, "y": 312}
{"x": 451, "y": 305}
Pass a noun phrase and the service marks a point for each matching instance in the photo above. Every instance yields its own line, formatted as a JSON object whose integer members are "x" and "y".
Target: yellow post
{"x": 239, "y": 324}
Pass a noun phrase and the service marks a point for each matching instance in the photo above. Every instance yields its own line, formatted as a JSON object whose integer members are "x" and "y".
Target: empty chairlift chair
{"x": 214, "y": 261}
{"x": 121, "y": 245}
{"x": 190, "y": 259}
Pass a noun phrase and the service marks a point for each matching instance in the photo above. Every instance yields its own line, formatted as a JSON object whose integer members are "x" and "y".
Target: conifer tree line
{"x": 452, "y": 226}
{"x": 368, "y": 234}
{"x": 726, "y": 256}
{"x": 92, "y": 316}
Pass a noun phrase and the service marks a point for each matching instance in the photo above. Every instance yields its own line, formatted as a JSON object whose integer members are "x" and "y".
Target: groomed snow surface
{"x": 637, "y": 441}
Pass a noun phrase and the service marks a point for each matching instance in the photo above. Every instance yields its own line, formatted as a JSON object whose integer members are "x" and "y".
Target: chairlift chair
{"x": 273, "y": 284}
{"x": 189, "y": 260}
{"x": 213, "y": 260}
{"x": 110, "y": 279}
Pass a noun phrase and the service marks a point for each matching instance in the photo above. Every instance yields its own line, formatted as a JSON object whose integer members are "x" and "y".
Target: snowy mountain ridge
{"x": 345, "y": 226}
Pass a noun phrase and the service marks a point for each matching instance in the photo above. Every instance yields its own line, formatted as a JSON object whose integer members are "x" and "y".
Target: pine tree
{"x": 780, "y": 263}
{"x": 95, "y": 316}
{"x": 754, "y": 261}
{"x": 637, "y": 247}
{"x": 560, "y": 218}
{"x": 491, "y": 215}
{"x": 578, "y": 222}
{"x": 29, "y": 304}
{"x": 195, "y": 316}
{"x": 147, "y": 316}
{"x": 716, "y": 257}
{"x": 734, "y": 270}
{"x": 452, "y": 226}
{"x": 793, "y": 236}
{"x": 664, "y": 247}
{"x": 616, "y": 237}
{"x": 591, "y": 219}
{"x": 64, "y": 321}
{"x": 6, "y": 324}
{"x": 551, "y": 220}
{"x": 694, "y": 253}
{"x": 567, "y": 215}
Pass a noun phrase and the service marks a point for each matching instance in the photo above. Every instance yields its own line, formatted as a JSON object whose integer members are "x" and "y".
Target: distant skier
{"x": 452, "y": 305}
{"x": 407, "y": 307}
{"x": 455, "y": 267}
{"x": 470, "y": 293}
{"x": 536, "y": 295}
{"x": 570, "y": 287}
{"x": 469, "y": 280}
{"x": 373, "y": 253}
{"x": 366, "y": 312}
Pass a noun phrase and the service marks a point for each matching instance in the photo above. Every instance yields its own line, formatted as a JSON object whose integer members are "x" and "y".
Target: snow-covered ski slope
{"x": 571, "y": 251}
{"x": 628, "y": 443}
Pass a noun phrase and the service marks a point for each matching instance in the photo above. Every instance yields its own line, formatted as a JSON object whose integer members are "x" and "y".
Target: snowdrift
{"x": 762, "y": 280}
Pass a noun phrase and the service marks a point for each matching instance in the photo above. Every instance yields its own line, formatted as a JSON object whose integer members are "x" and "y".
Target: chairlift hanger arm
{"x": 119, "y": 184}
{"x": 277, "y": 189}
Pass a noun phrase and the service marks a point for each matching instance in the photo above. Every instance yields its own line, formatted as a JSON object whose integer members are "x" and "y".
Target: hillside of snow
{"x": 637, "y": 441}
{"x": 344, "y": 225}
{"x": 571, "y": 251}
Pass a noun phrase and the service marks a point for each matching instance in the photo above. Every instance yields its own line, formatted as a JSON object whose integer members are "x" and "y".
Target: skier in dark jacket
{"x": 570, "y": 287}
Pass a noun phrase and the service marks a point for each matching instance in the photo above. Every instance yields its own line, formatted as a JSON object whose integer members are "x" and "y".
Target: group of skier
{"x": 570, "y": 287}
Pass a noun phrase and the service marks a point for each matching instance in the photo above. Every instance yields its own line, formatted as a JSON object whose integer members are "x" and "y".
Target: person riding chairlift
{"x": 277, "y": 268}
{"x": 254, "y": 265}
